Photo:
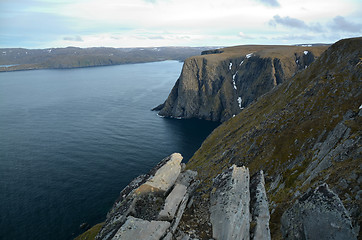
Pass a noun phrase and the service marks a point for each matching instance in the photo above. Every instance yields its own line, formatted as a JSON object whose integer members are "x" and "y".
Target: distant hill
{"x": 13, "y": 59}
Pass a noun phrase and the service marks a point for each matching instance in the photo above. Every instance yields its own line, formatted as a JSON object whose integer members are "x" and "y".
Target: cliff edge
{"x": 218, "y": 84}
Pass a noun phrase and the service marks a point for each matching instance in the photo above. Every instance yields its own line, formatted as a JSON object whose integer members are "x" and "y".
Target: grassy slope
{"x": 91, "y": 233}
{"x": 284, "y": 124}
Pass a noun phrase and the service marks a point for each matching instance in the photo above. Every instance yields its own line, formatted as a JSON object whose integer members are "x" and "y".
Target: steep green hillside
{"x": 305, "y": 132}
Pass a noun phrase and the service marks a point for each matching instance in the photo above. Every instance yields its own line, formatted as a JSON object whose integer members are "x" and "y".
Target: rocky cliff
{"x": 152, "y": 205}
{"x": 287, "y": 167}
{"x": 220, "y": 83}
{"x": 304, "y": 134}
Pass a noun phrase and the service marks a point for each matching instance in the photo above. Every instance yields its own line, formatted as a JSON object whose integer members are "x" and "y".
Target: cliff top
{"x": 272, "y": 51}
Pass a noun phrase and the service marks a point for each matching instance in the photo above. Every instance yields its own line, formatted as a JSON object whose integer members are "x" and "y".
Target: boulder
{"x": 319, "y": 214}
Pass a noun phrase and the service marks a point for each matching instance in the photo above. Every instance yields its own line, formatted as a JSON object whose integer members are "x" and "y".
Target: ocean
{"x": 71, "y": 139}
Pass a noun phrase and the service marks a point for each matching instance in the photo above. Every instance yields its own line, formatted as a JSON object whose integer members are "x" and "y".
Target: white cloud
{"x": 173, "y": 22}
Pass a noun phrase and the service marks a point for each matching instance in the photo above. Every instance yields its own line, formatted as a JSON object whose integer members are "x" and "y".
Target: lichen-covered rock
{"x": 135, "y": 228}
{"x": 144, "y": 196}
{"x": 319, "y": 214}
{"x": 230, "y": 199}
{"x": 172, "y": 202}
{"x": 259, "y": 208}
{"x": 177, "y": 194}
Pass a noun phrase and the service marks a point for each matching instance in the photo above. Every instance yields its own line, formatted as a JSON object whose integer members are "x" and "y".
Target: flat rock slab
{"x": 135, "y": 228}
{"x": 165, "y": 177}
{"x": 259, "y": 207}
{"x": 172, "y": 202}
{"x": 230, "y": 198}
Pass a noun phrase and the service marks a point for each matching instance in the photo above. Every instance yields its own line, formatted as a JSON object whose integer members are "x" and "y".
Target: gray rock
{"x": 186, "y": 177}
{"x": 166, "y": 176}
{"x": 135, "y": 228}
{"x": 319, "y": 214}
{"x": 177, "y": 194}
{"x": 229, "y": 210}
{"x": 143, "y": 189}
{"x": 172, "y": 202}
{"x": 275, "y": 183}
{"x": 334, "y": 148}
{"x": 259, "y": 208}
{"x": 183, "y": 205}
{"x": 169, "y": 236}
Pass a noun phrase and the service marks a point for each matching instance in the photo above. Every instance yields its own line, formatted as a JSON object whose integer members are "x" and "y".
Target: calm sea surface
{"x": 70, "y": 140}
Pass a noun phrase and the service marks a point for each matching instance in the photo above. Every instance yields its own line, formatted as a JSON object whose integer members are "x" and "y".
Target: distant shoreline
{"x": 20, "y": 59}
{"x": 24, "y": 68}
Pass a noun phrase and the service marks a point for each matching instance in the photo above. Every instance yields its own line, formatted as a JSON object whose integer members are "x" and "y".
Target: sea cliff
{"x": 221, "y": 83}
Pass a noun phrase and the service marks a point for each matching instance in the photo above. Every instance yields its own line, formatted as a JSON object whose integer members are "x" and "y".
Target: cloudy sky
{"x": 147, "y": 23}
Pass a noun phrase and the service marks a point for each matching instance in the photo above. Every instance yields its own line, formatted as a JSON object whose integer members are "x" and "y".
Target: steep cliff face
{"x": 219, "y": 84}
{"x": 303, "y": 134}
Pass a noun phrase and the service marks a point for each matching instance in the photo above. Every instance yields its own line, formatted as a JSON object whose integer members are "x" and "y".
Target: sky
{"x": 155, "y": 23}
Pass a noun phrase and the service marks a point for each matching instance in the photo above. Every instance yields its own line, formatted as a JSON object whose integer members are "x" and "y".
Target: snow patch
{"x": 233, "y": 115}
{"x": 249, "y": 55}
{"x": 230, "y": 65}
{"x": 241, "y": 63}
{"x": 306, "y": 45}
{"x": 360, "y": 107}
{"x": 234, "y": 81}
{"x": 240, "y": 101}
{"x": 305, "y": 52}
{"x": 297, "y": 61}
{"x": 49, "y": 51}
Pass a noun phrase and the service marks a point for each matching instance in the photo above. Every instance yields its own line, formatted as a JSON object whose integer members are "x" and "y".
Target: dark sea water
{"x": 70, "y": 140}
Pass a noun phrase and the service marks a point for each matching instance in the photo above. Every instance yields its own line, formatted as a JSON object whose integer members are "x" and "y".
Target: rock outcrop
{"x": 305, "y": 133}
{"x": 236, "y": 201}
{"x": 259, "y": 208}
{"x": 319, "y": 214}
{"x": 151, "y": 206}
{"x": 220, "y": 83}
{"x": 230, "y": 200}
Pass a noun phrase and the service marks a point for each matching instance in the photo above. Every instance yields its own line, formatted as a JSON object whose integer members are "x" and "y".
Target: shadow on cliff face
{"x": 188, "y": 131}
